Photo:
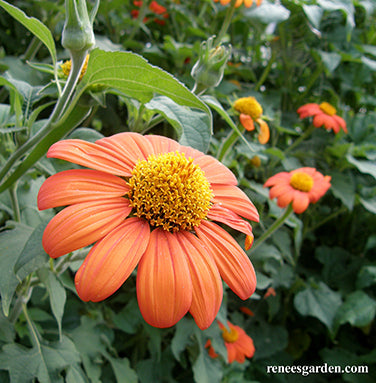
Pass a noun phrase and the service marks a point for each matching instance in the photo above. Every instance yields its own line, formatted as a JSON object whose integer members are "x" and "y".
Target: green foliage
{"x": 315, "y": 301}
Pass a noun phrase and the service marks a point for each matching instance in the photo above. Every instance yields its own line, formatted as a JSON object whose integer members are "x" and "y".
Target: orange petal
{"x": 264, "y": 135}
{"x": 215, "y": 172}
{"x": 308, "y": 110}
{"x": 79, "y": 185}
{"x": 300, "y": 202}
{"x": 231, "y": 352}
{"x": 248, "y": 3}
{"x": 247, "y": 122}
{"x": 233, "y": 198}
{"x": 207, "y": 284}
{"x": 162, "y": 144}
{"x": 341, "y": 122}
{"x": 164, "y": 285}
{"x": 130, "y": 147}
{"x": 92, "y": 156}
{"x": 81, "y": 224}
{"x": 233, "y": 264}
{"x": 112, "y": 260}
{"x": 278, "y": 178}
{"x": 229, "y": 218}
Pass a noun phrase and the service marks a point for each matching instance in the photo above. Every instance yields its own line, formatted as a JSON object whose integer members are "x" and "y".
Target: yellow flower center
{"x": 67, "y": 66}
{"x": 249, "y": 106}
{"x": 301, "y": 181}
{"x": 170, "y": 191}
{"x": 230, "y": 336}
{"x": 328, "y": 109}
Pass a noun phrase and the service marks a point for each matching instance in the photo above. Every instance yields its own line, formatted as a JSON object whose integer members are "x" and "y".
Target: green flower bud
{"x": 78, "y": 32}
{"x": 208, "y": 70}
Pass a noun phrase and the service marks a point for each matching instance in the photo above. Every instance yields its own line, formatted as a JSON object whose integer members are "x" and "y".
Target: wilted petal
{"x": 233, "y": 264}
{"x": 82, "y": 224}
{"x": 207, "y": 285}
{"x": 164, "y": 285}
{"x": 112, "y": 260}
{"x": 233, "y": 198}
{"x": 226, "y": 216}
{"x": 247, "y": 122}
{"x": 79, "y": 185}
{"x": 92, "y": 156}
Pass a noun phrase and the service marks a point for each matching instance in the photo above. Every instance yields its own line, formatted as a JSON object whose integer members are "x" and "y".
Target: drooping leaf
{"x": 11, "y": 244}
{"x": 36, "y": 27}
{"x": 363, "y": 166}
{"x": 193, "y": 127}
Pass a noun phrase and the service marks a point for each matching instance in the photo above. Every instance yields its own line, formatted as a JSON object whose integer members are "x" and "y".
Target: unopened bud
{"x": 208, "y": 70}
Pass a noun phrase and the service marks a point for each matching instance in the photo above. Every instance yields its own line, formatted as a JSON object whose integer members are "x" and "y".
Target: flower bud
{"x": 208, "y": 70}
{"x": 78, "y": 32}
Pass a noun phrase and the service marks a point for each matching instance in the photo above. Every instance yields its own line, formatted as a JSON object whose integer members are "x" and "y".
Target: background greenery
{"x": 321, "y": 264}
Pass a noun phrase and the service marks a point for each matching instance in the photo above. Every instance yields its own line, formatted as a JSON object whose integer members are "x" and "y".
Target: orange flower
{"x": 270, "y": 291}
{"x": 250, "y": 110}
{"x": 239, "y": 345}
{"x": 247, "y": 3}
{"x": 150, "y": 201}
{"x": 154, "y": 7}
{"x": 323, "y": 114}
{"x": 301, "y": 187}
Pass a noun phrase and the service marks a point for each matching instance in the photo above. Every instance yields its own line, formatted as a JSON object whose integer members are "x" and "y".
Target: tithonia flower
{"x": 251, "y": 111}
{"x": 323, "y": 114}
{"x": 67, "y": 66}
{"x": 238, "y": 344}
{"x": 154, "y": 7}
{"x": 247, "y": 3}
{"x": 151, "y": 202}
{"x": 301, "y": 187}
{"x": 270, "y": 291}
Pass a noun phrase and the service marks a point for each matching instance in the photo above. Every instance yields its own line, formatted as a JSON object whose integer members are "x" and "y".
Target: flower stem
{"x": 276, "y": 225}
{"x": 306, "y": 134}
{"x": 226, "y": 22}
{"x": 15, "y": 204}
{"x": 229, "y": 142}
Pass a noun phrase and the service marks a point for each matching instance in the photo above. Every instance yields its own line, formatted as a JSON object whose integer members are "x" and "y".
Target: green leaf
{"x": 369, "y": 204}
{"x": 371, "y": 64}
{"x": 183, "y": 336}
{"x": 366, "y": 277}
{"x": 363, "y": 166}
{"x": 268, "y": 13}
{"x": 56, "y": 293}
{"x": 44, "y": 363}
{"x": 343, "y": 187}
{"x": 36, "y": 27}
{"x": 132, "y": 75}
{"x": 358, "y": 309}
{"x": 331, "y": 60}
{"x": 7, "y": 332}
{"x": 122, "y": 370}
{"x": 11, "y": 244}
{"x": 76, "y": 375}
{"x": 32, "y": 256}
{"x": 320, "y": 302}
{"x": 314, "y": 14}
{"x": 193, "y": 127}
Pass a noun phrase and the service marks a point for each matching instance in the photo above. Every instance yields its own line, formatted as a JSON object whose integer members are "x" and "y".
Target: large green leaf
{"x": 363, "y": 166}
{"x": 133, "y": 76}
{"x": 343, "y": 187}
{"x": 11, "y": 244}
{"x": 193, "y": 127}
{"x": 36, "y": 27}
{"x": 320, "y": 302}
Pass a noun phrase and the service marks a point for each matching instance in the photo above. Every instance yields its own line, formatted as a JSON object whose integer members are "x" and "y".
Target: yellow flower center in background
{"x": 249, "y": 106}
{"x": 67, "y": 66}
{"x": 230, "y": 336}
{"x": 170, "y": 191}
{"x": 301, "y": 181}
{"x": 328, "y": 109}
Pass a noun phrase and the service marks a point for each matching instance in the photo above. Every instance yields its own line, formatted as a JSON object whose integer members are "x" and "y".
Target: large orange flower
{"x": 250, "y": 112}
{"x": 323, "y": 114}
{"x": 151, "y": 202}
{"x": 238, "y": 344}
{"x": 247, "y": 3}
{"x": 301, "y": 187}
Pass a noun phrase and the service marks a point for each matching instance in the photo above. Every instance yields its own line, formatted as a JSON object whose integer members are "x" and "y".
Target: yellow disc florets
{"x": 328, "y": 109}
{"x": 301, "y": 181}
{"x": 170, "y": 191}
{"x": 230, "y": 336}
{"x": 67, "y": 66}
{"x": 249, "y": 106}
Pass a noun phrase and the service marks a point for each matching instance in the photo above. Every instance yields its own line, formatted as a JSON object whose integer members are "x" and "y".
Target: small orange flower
{"x": 154, "y": 7}
{"x": 301, "y": 187}
{"x": 270, "y": 291}
{"x": 151, "y": 202}
{"x": 250, "y": 110}
{"x": 323, "y": 114}
{"x": 247, "y": 3}
{"x": 67, "y": 66}
{"x": 238, "y": 344}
